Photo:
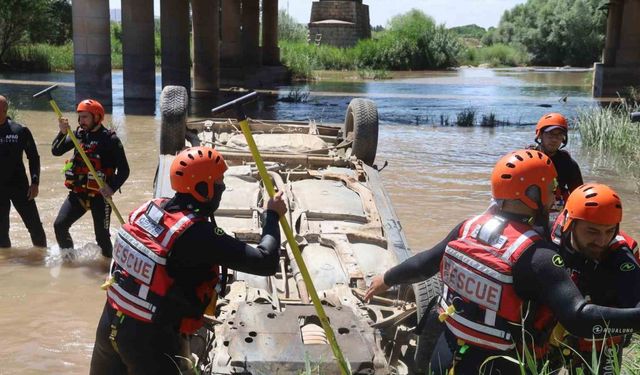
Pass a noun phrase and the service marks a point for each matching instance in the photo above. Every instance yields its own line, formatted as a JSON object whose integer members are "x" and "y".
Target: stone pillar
{"x": 92, "y": 50}
{"x": 138, "y": 52}
{"x": 270, "y": 50}
{"x": 629, "y": 45}
{"x": 614, "y": 23}
{"x": 174, "y": 29}
{"x": 251, "y": 33}
{"x": 206, "y": 47}
{"x": 231, "y": 49}
{"x": 621, "y": 67}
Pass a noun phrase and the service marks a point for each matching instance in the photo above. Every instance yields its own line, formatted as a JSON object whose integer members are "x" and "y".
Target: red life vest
{"x": 620, "y": 241}
{"x": 477, "y": 273}
{"x": 140, "y": 256}
{"x": 78, "y": 177}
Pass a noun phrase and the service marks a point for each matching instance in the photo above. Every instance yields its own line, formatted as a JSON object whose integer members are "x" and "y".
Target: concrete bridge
{"x": 226, "y": 42}
{"x": 620, "y": 66}
{"x": 228, "y": 45}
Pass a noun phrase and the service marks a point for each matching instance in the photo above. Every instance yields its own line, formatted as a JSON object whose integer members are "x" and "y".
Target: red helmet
{"x": 518, "y": 171}
{"x": 195, "y": 170}
{"x": 94, "y": 107}
{"x": 595, "y": 203}
{"x": 554, "y": 120}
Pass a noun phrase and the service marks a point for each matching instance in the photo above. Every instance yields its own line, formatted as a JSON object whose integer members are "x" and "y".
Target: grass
{"x": 610, "y": 134}
{"x": 496, "y": 55}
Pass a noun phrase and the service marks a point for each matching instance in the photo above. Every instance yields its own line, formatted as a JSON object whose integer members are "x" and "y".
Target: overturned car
{"x": 346, "y": 229}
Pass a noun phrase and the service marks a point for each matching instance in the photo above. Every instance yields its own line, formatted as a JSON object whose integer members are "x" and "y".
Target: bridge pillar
{"x": 206, "y": 47}
{"x": 252, "y": 55}
{"x": 138, "y": 51}
{"x": 270, "y": 50}
{"x": 620, "y": 67}
{"x": 174, "y": 29}
{"x": 92, "y": 50}
{"x": 231, "y": 52}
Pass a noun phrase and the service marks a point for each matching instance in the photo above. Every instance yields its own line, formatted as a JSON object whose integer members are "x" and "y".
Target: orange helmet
{"x": 552, "y": 121}
{"x": 93, "y": 106}
{"x": 595, "y": 203}
{"x": 194, "y": 171}
{"x": 518, "y": 171}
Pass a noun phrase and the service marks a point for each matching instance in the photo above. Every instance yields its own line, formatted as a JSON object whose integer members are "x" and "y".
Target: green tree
{"x": 16, "y": 17}
{"x": 54, "y": 24}
{"x": 554, "y": 32}
{"x": 290, "y": 30}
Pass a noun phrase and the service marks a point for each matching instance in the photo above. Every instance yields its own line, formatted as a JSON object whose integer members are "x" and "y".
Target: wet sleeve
{"x": 61, "y": 144}
{"x": 32, "y": 155}
{"x": 121, "y": 164}
{"x": 217, "y": 247}
{"x": 539, "y": 275}
{"x": 422, "y": 265}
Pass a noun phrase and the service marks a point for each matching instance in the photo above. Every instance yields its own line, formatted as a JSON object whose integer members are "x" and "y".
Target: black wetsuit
{"x": 535, "y": 278}
{"x": 108, "y": 146}
{"x": 611, "y": 282}
{"x": 15, "y": 140}
{"x": 142, "y": 346}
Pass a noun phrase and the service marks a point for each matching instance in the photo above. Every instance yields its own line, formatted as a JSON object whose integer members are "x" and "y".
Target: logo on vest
{"x": 134, "y": 262}
{"x": 471, "y": 285}
{"x": 219, "y": 231}
{"x": 628, "y": 266}
{"x": 557, "y": 261}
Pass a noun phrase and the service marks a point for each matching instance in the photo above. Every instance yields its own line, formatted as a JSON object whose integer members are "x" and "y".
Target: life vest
{"x": 621, "y": 241}
{"x": 78, "y": 177}
{"x": 139, "y": 271}
{"x": 476, "y": 271}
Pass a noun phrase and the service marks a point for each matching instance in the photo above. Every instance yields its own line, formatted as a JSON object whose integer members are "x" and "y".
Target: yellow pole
{"x": 344, "y": 366}
{"x": 86, "y": 160}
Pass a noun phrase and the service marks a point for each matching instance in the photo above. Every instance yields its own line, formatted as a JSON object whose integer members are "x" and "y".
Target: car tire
{"x": 361, "y": 126}
{"x": 432, "y": 328}
{"x": 174, "y": 104}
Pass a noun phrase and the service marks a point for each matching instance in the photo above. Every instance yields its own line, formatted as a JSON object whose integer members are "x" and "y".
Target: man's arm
{"x": 32, "y": 155}
{"x": 121, "y": 164}
{"x": 539, "y": 274}
{"x": 576, "y": 176}
{"x": 422, "y": 265}
{"x": 61, "y": 144}
{"x": 626, "y": 276}
{"x": 203, "y": 245}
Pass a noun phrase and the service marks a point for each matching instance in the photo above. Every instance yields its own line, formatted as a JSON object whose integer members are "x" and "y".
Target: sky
{"x": 485, "y": 13}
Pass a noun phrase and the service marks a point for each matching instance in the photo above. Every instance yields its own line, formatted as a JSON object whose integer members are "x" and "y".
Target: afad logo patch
{"x": 557, "y": 261}
{"x": 628, "y": 266}
{"x": 219, "y": 231}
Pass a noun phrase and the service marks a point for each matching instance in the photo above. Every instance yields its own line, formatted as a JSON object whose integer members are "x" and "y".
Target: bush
{"x": 466, "y": 118}
{"x": 495, "y": 56}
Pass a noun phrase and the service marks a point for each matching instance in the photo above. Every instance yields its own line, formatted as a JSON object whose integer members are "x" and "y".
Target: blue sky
{"x": 484, "y": 13}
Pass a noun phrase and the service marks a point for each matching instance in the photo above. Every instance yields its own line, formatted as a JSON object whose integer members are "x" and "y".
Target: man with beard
{"x": 106, "y": 153}
{"x": 600, "y": 258}
{"x": 504, "y": 284}
{"x": 166, "y": 270}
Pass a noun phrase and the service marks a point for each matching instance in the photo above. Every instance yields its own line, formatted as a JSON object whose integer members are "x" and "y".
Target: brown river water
{"x": 436, "y": 177}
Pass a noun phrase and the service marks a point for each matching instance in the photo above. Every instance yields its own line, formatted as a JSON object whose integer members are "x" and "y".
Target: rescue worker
{"x": 15, "y": 188}
{"x": 600, "y": 259}
{"x": 166, "y": 269}
{"x": 551, "y": 137}
{"x": 502, "y": 282}
{"x": 106, "y": 153}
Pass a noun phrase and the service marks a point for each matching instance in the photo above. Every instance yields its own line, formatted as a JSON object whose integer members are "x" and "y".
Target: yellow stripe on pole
{"x": 86, "y": 160}
{"x": 344, "y": 366}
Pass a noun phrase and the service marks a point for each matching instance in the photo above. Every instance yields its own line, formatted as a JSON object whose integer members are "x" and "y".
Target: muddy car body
{"x": 347, "y": 231}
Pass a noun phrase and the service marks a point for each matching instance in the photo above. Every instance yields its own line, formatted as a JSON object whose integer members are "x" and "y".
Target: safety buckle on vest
{"x": 490, "y": 233}
{"x": 450, "y": 310}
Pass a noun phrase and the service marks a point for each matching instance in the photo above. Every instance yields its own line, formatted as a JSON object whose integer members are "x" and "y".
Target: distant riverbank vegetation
{"x": 35, "y": 35}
